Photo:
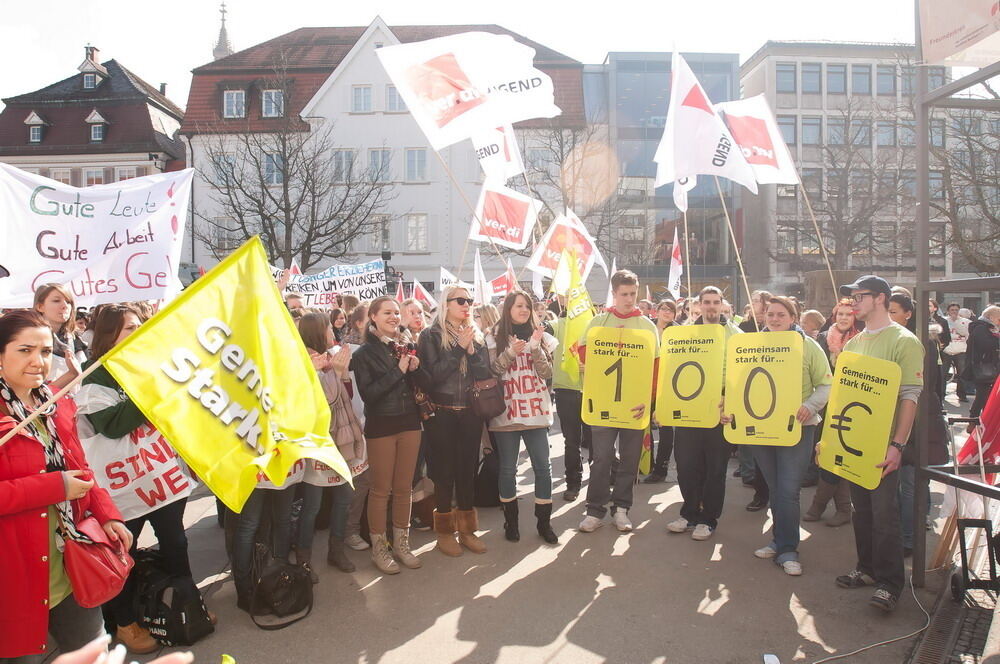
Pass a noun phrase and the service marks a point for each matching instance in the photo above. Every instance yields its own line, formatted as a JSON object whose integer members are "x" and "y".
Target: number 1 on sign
{"x": 616, "y": 367}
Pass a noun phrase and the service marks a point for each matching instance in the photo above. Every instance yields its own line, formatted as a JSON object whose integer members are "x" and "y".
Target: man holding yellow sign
{"x": 618, "y": 351}
{"x": 877, "y": 530}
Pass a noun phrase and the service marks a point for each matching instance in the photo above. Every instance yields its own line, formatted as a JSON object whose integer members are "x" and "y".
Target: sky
{"x": 42, "y": 41}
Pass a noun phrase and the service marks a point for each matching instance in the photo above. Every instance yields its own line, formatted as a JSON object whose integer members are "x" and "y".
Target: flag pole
{"x": 536, "y": 230}
{"x": 55, "y": 397}
{"x": 822, "y": 244}
{"x": 736, "y": 247}
{"x": 687, "y": 256}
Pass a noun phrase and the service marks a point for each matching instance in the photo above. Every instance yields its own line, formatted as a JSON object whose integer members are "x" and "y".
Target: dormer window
{"x": 98, "y": 126}
{"x": 35, "y": 134}
{"x": 89, "y": 81}
{"x": 273, "y": 103}
{"x": 36, "y": 127}
{"x": 234, "y": 104}
{"x": 96, "y": 133}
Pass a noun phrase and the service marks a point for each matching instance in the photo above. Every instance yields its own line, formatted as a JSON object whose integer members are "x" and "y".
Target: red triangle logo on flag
{"x": 696, "y": 99}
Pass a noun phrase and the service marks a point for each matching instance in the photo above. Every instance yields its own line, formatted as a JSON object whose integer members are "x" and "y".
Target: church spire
{"x": 223, "y": 48}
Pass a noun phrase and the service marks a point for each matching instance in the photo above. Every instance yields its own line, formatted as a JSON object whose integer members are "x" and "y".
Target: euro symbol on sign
{"x": 843, "y": 420}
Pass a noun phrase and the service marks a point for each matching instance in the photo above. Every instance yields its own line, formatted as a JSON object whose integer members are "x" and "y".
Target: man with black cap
{"x": 877, "y": 529}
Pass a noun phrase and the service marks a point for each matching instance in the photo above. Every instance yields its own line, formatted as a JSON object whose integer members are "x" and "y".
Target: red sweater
{"x": 26, "y": 492}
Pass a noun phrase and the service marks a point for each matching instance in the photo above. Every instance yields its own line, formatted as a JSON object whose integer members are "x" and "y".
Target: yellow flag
{"x": 579, "y": 313}
{"x": 222, "y": 373}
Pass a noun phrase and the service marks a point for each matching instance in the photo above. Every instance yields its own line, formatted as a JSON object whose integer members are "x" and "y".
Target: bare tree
{"x": 293, "y": 185}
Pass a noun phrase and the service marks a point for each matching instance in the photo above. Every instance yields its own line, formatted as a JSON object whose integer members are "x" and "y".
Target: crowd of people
{"x": 409, "y": 396}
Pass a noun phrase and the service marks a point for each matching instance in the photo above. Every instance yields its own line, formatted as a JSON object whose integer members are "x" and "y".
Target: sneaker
{"x": 883, "y": 599}
{"x": 622, "y": 523}
{"x": 766, "y": 552}
{"x": 680, "y": 525}
{"x": 702, "y": 532}
{"x": 792, "y": 567}
{"x": 355, "y": 542}
{"x": 856, "y": 579}
{"x": 590, "y": 524}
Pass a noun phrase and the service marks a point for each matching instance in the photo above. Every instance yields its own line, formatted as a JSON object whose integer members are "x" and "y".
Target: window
{"x": 835, "y": 183}
{"x": 223, "y": 168}
{"x": 812, "y": 74}
{"x": 936, "y": 180}
{"x": 861, "y": 79}
{"x": 861, "y": 187}
{"x": 812, "y": 181}
{"x": 63, "y": 175}
{"x": 888, "y": 188}
{"x": 935, "y": 77}
{"x": 273, "y": 169}
{"x": 861, "y": 132}
{"x": 96, "y": 132}
{"x": 92, "y": 176}
{"x": 786, "y": 191}
{"x": 937, "y": 133}
{"x": 35, "y": 133}
{"x": 785, "y": 73}
{"x": 379, "y": 240}
{"x": 885, "y": 134}
{"x": 89, "y": 81}
{"x": 378, "y": 165}
{"x": 539, "y": 159}
{"x": 361, "y": 99}
{"x": 909, "y": 80}
{"x": 393, "y": 102}
{"x": 125, "y": 173}
{"x": 908, "y": 185}
{"x": 968, "y": 126}
{"x": 416, "y": 232}
{"x": 343, "y": 165}
{"x": 812, "y": 130}
{"x": 836, "y": 79}
{"x": 225, "y": 237}
{"x": 836, "y": 129}
{"x": 908, "y": 132}
{"x": 273, "y": 103}
{"x": 786, "y": 123}
{"x": 416, "y": 165}
{"x": 885, "y": 80}
{"x": 234, "y": 104}
{"x": 786, "y": 241}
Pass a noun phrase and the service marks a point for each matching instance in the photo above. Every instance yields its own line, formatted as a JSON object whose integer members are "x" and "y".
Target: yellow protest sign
{"x": 689, "y": 385}
{"x": 764, "y": 388}
{"x": 222, "y": 373}
{"x": 618, "y": 376}
{"x": 859, "y": 418}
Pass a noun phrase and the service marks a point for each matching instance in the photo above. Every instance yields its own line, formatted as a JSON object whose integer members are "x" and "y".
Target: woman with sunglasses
{"x": 454, "y": 355}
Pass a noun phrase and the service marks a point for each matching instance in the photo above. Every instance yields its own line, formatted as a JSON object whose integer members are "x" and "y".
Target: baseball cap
{"x": 868, "y": 282}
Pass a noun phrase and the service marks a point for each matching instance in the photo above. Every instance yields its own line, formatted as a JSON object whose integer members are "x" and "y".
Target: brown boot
{"x": 468, "y": 523}
{"x": 824, "y": 492}
{"x": 444, "y": 526}
{"x": 842, "y": 499}
{"x": 137, "y": 639}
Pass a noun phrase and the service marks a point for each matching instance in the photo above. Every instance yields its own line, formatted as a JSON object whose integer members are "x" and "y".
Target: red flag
{"x": 989, "y": 428}
{"x": 505, "y": 283}
{"x": 400, "y": 295}
{"x": 421, "y": 295}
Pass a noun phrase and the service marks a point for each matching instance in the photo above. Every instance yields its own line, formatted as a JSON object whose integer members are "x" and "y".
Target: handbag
{"x": 281, "y": 589}
{"x": 170, "y": 606}
{"x": 486, "y": 398}
{"x": 487, "y": 487}
{"x": 98, "y": 569}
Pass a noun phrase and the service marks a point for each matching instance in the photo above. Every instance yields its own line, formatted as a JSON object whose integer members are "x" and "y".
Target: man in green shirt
{"x": 877, "y": 529}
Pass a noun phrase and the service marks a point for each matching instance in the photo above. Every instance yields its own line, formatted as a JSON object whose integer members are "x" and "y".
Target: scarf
{"x": 835, "y": 339}
{"x": 452, "y": 330}
{"x": 522, "y": 331}
{"x": 43, "y": 430}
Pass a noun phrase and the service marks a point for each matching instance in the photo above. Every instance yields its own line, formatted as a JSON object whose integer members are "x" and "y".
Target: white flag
{"x": 566, "y": 232}
{"x": 498, "y": 153}
{"x": 755, "y": 130}
{"x": 507, "y": 217}
{"x": 609, "y": 301}
{"x": 681, "y": 189}
{"x": 536, "y": 286}
{"x": 459, "y": 86}
{"x": 483, "y": 289}
{"x": 448, "y": 278}
{"x": 695, "y": 139}
{"x": 676, "y": 268}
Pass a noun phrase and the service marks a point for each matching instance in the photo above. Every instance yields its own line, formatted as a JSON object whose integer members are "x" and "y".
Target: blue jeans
{"x": 536, "y": 441}
{"x": 784, "y": 468}
{"x": 907, "y": 495}
{"x": 280, "y": 502}
{"x": 312, "y": 496}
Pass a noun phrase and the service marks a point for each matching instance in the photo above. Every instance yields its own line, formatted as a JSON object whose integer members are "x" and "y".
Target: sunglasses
{"x": 462, "y": 301}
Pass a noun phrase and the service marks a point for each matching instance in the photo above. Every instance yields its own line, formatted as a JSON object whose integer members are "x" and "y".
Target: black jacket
{"x": 382, "y": 386}
{"x": 983, "y": 348}
{"x": 446, "y": 385}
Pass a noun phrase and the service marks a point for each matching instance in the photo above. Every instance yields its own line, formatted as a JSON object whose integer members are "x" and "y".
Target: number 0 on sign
{"x": 618, "y": 377}
{"x": 764, "y": 388}
{"x": 689, "y": 387}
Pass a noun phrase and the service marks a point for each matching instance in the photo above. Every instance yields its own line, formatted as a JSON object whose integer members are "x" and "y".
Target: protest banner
{"x": 618, "y": 377}
{"x": 757, "y": 365}
{"x": 526, "y": 396}
{"x": 107, "y": 243}
{"x": 566, "y": 232}
{"x": 319, "y": 291}
{"x": 859, "y": 418}
{"x": 689, "y": 385}
{"x": 498, "y": 153}
{"x": 756, "y": 133}
{"x": 222, "y": 372}
{"x": 959, "y": 32}
{"x": 459, "y": 86}
{"x": 504, "y": 217}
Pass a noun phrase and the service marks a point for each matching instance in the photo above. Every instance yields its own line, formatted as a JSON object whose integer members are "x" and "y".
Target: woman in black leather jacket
{"x": 388, "y": 373}
{"x": 454, "y": 355}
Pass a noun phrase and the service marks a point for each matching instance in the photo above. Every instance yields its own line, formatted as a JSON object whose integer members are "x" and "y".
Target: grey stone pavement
{"x": 648, "y": 596}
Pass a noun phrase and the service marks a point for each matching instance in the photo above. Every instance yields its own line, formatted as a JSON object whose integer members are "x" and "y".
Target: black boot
{"x": 543, "y": 512}
{"x": 510, "y": 530}
{"x": 244, "y": 592}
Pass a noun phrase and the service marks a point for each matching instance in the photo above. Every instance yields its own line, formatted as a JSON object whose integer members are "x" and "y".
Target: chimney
{"x": 163, "y": 89}
{"x": 92, "y": 53}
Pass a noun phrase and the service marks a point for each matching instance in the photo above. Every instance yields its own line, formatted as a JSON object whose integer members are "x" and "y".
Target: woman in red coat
{"x": 42, "y": 468}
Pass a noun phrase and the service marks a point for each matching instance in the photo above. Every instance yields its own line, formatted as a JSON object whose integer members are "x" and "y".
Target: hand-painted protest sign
{"x": 859, "y": 418}
{"x": 365, "y": 280}
{"x": 107, "y": 243}
{"x": 525, "y": 394}
{"x": 764, "y": 388}
{"x": 618, "y": 377}
{"x": 689, "y": 386}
